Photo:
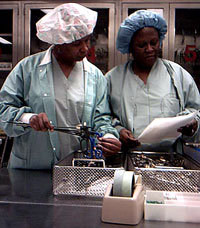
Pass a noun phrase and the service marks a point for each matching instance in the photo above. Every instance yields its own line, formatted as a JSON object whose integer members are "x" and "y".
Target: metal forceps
{"x": 82, "y": 131}
{"x": 69, "y": 130}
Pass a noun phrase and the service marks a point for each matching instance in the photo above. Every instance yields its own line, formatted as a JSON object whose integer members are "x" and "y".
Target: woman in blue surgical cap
{"x": 57, "y": 87}
{"x": 148, "y": 87}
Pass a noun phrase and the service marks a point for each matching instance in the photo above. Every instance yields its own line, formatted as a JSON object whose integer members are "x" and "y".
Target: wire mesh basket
{"x": 170, "y": 180}
{"x": 164, "y": 171}
{"x": 81, "y": 181}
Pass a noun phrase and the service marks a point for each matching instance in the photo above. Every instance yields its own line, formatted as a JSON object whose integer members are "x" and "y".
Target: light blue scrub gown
{"x": 69, "y": 101}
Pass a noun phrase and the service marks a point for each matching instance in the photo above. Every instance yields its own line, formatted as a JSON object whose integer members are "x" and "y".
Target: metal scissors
{"x": 94, "y": 151}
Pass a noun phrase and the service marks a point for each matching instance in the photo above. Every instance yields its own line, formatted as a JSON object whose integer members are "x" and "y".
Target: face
{"x": 73, "y": 52}
{"x": 145, "y": 47}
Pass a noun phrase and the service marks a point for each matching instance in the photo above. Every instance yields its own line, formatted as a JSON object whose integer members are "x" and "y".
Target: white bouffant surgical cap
{"x": 136, "y": 21}
{"x": 66, "y": 23}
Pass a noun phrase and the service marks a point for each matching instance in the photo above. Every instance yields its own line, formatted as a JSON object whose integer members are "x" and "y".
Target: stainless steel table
{"x": 27, "y": 201}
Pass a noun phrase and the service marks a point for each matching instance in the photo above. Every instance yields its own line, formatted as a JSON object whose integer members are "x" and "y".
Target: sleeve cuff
{"x": 108, "y": 135}
{"x": 25, "y": 117}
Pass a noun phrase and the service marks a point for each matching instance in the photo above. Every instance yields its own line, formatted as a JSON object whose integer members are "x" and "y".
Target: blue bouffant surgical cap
{"x": 136, "y": 21}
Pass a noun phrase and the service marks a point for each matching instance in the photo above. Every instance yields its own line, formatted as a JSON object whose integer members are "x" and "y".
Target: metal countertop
{"x": 27, "y": 201}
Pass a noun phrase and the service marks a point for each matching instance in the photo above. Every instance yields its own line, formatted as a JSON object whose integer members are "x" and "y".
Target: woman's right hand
{"x": 40, "y": 122}
{"x": 127, "y": 139}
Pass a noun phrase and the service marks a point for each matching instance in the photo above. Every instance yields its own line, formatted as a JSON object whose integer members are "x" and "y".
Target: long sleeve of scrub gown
{"x": 169, "y": 91}
{"x": 29, "y": 89}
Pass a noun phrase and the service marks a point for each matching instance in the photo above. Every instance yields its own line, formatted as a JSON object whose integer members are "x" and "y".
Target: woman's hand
{"x": 109, "y": 146}
{"x": 189, "y": 129}
{"x": 127, "y": 139}
{"x": 40, "y": 122}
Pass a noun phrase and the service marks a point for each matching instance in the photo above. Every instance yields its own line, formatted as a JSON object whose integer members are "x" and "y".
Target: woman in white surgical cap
{"x": 148, "y": 87}
{"x": 57, "y": 87}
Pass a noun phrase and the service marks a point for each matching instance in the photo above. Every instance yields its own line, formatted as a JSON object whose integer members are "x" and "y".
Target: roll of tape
{"x": 123, "y": 183}
{"x": 117, "y": 185}
{"x": 127, "y": 184}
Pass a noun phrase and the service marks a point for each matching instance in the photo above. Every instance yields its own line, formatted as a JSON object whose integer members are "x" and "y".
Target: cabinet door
{"x": 160, "y": 8}
{"x": 8, "y": 39}
{"x": 185, "y": 37}
{"x": 102, "y": 50}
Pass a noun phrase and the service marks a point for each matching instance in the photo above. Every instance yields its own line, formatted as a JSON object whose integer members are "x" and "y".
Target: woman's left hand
{"x": 109, "y": 146}
{"x": 189, "y": 129}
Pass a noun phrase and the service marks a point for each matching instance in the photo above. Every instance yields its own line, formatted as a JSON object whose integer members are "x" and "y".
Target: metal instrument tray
{"x": 164, "y": 171}
{"x": 145, "y": 159}
{"x": 192, "y": 152}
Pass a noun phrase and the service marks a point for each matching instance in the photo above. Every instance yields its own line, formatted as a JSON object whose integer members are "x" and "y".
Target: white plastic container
{"x": 172, "y": 206}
